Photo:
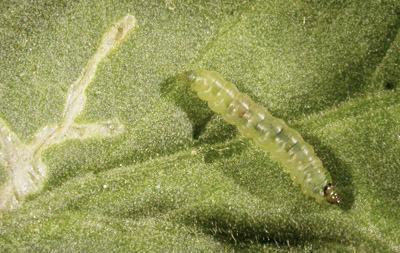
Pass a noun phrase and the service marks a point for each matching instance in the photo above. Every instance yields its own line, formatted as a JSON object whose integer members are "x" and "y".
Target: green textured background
{"x": 179, "y": 178}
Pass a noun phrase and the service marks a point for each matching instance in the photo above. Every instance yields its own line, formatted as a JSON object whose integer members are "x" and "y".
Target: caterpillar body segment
{"x": 269, "y": 133}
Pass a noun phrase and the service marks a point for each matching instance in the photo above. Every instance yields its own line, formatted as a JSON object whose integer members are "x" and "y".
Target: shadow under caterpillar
{"x": 269, "y": 133}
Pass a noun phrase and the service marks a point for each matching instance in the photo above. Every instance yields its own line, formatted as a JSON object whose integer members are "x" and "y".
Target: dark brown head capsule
{"x": 331, "y": 195}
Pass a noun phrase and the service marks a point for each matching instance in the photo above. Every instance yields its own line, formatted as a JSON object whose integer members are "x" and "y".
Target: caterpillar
{"x": 269, "y": 133}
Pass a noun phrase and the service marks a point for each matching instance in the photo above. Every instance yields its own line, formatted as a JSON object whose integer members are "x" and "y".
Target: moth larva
{"x": 269, "y": 133}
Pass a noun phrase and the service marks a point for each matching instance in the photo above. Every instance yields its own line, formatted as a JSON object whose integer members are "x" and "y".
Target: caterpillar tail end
{"x": 331, "y": 195}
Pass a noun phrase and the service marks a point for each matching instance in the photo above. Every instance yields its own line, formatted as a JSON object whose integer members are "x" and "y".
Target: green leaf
{"x": 144, "y": 165}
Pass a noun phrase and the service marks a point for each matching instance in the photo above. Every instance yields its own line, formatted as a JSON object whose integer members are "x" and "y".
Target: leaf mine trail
{"x": 26, "y": 172}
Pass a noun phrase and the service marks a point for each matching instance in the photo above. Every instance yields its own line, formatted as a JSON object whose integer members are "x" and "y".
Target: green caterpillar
{"x": 269, "y": 133}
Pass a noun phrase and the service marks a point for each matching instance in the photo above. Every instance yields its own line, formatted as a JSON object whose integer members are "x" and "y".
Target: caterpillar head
{"x": 330, "y": 194}
{"x": 190, "y": 76}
